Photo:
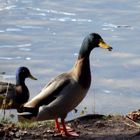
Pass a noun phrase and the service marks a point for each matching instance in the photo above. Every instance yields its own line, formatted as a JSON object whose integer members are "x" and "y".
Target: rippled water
{"x": 46, "y": 36}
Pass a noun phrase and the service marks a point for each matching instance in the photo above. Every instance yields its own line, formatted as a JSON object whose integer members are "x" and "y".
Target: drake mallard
{"x": 12, "y": 96}
{"x": 66, "y": 91}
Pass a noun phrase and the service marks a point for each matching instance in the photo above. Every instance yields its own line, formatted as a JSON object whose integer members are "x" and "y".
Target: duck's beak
{"x": 103, "y": 45}
{"x": 32, "y": 77}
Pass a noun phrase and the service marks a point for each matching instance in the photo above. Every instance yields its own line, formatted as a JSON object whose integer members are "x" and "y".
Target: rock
{"x": 50, "y": 131}
{"x": 11, "y": 133}
{"x": 17, "y": 135}
{"x": 25, "y": 132}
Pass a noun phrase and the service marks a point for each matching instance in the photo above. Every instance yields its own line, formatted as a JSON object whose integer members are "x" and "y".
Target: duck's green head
{"x": 92, "y": 41}
{"x": 22, "y": 73}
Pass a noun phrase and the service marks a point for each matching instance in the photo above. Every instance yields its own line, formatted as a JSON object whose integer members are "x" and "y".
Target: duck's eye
{"x": 23, "y": 71}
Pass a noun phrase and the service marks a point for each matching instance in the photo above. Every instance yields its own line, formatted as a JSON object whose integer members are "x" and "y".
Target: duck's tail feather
{"x": 27, "y": 113}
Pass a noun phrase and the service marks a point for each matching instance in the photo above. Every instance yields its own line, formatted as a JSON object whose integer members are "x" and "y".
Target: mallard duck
{"x": 66, "y": 91}
{"x": 12, "y": 96}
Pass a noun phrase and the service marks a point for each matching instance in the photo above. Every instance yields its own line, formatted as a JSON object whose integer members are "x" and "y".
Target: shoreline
{"x": 90, "y": 126}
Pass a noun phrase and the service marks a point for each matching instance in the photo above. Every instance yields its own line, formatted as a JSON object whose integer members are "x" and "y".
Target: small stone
{"x": 17, "y": 134}
{"x": 11, "y": 133}
{"x": 50, "y": 131}
{"x": 25, "y": 132}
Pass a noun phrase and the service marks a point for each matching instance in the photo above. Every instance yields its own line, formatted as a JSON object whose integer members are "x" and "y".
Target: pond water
{"x": 46, "y": 36}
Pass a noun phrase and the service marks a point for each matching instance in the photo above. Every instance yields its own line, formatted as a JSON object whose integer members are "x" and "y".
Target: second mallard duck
{"x": 12, "y": 96}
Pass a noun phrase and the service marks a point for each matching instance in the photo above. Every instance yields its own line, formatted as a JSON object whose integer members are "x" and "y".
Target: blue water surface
{"x": 46, "y": 37}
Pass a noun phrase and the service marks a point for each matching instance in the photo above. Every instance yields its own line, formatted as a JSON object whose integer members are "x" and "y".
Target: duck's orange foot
{"x": 69, "y": 133}
{"x": 68, "y": 128}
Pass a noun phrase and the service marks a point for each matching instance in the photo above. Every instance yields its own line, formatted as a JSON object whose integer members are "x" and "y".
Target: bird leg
{"x": 64, "y": 130}
{"x": 57, "y": 125}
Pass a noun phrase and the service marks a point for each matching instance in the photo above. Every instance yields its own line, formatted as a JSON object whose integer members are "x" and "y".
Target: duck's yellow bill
{"x": 103, "y": 45}
{"x": 32, "y": 77}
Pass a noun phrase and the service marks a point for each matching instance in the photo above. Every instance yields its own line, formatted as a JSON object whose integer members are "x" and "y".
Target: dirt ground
{"x": 92, "y": 126}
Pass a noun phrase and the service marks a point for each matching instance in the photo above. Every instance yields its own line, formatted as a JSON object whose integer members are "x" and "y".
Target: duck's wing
{"x": 7, "y": 94}
{"x": 51, "y": 91}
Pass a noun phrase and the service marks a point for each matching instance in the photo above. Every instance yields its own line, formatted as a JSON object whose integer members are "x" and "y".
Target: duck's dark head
{"x": 22, "y": 73}
{"x": 92, "y": 41}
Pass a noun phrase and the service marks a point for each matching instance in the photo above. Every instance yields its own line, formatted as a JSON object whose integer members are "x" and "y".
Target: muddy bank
{"x": 98, "y": 127}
